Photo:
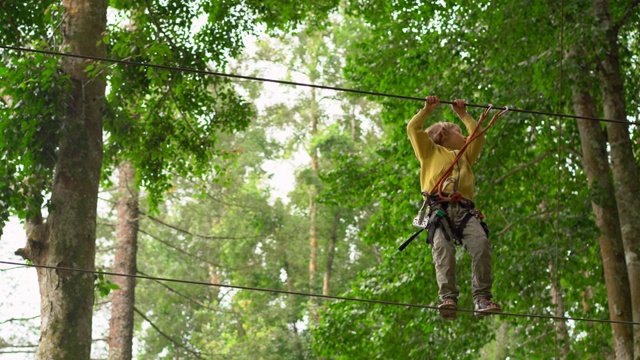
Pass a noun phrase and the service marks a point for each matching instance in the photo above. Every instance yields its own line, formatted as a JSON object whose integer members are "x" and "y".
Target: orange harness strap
{"x": 476, "y": 134}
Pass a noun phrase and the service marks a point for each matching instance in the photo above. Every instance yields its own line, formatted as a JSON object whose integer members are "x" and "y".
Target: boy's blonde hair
{"x": 439, "y": 129}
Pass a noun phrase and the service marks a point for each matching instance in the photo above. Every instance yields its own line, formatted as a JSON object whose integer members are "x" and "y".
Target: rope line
{"x": 294, "y": 83}
{"x": 299, "y": 293}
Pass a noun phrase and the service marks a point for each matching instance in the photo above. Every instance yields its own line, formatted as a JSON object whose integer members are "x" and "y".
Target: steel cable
{"x": 299, "y": 293}
{"x": 294, "y": 83}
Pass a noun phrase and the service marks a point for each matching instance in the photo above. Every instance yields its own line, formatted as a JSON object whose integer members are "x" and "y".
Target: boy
{"x": 436, "y": 148}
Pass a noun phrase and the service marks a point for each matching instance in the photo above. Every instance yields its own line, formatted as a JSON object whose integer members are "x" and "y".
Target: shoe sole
{"x": 448, "y": 312}
{"x": 487, "y": 312}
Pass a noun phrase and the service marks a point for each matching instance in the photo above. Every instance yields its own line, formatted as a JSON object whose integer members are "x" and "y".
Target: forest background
{"x": 178, "y": 158}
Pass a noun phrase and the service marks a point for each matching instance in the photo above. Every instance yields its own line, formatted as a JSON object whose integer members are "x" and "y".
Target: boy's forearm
{"x": 417, "y": 121}
{"x": 473, "y": 151}
{"x": 469, "y": 122}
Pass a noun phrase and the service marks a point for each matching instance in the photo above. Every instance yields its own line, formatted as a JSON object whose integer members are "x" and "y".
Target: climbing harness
{"x": 433, "y": 212}
{"x": 436, "y": 217}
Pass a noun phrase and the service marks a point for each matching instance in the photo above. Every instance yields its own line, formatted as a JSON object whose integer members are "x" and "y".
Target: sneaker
{"x": 484, "y": 307}
{"x": 448, "y": 309}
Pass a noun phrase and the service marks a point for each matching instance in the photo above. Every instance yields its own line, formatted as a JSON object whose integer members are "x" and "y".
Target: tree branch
{"x": 19, "y": 346}
{"x": 19, "y": 351}
{"x": 185, "y": 117}
{"x": 208, "y": 237}
{"x": 207, "y": 194}
{"x": 159, "y": 31}
{"x": 223, "y": 202}
{"x": 510, "y": 224}
{"x": 174, "y": 342}
{"x": 195, "y": 301}
{"x": 19, "y": 319}
{"x": 524, "y": 166}
{"x": 535, "y": 58}
{"x": 8, "y": 100}
{"x": 167, "y": 244}
{"x": 626, "y": 15}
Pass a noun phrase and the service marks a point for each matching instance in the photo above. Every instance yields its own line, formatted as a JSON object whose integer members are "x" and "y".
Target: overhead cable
{"x": 294, "y": 83}
{"x": 322, "y": 296}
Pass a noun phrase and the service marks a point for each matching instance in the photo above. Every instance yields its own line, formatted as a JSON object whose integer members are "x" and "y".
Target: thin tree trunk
{"x": 313, "y": 207}
{"x": 331, "y": 251}
{"x": 355, "y": 127}
{"x": 313, "y": 243}
{"x": 562, "y": 332}
{"x": 587, "y": 297}
{"x": 292, "y": 311}
{"x": 625, "y": 168}
{"x": 502, "y": 341}
{"x": 596, "y": 166}
{"x": 291, "y": 316}
{"x": 67, "y": 239}
{"x": 215, "y": 279}
{"x": 123, "y": 299}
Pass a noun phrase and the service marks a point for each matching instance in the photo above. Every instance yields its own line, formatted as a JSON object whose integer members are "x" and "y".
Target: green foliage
{"x": 164, "y": 122}
{"x": 252, "y": 243}
{"x": 35, "y": 95}
{"x": 287, "y": 14}
{"x": 24, "y": 21}
{"x": 177, "y": 126}
{"x": 103, "y": 286}
{"x": 167, "y": 123}
{"x": 529, "y": 181}
{"x": 247, "y": 239}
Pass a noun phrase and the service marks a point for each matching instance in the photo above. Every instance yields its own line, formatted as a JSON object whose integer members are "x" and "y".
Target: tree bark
{"x": 625, "y": 169}
{"x": 123, "y": 299}
{"x": 562, "y": 332}
{"x": 596, "y": 166}
{"x": 313, "y": 207}
{"x": 215, "y": 279}
{"x": 313, "y": 243}
{"x": 67, "y": 239}
{"x": 502, "y": 341}
{"x": 331, "y": 251}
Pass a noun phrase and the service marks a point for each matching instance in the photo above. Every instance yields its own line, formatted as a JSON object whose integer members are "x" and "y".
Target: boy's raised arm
{"x": 420, "y": 140}
{"x": 473, "y": 151}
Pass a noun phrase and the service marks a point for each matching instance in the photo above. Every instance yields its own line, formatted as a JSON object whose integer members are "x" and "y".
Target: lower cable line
{"x": 299, "y": 293}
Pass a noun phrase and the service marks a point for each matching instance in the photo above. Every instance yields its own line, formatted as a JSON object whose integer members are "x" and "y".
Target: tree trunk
{"x": 123, "y": 299}
{"x": 68, "y": 237}
{"x": 291, "y": 299}
{"x": 331, "y": 251}
{"x": 215, "y": 279}
{"x": 313, "y": 207}
{"x": 625, "y": 168}
{"x": 502, "y": 341}
{"x": 313, "y": 243}
{"x": 562, "y": 333}
{"x": 596, "y": 166}
{"x": 355, "y": 127}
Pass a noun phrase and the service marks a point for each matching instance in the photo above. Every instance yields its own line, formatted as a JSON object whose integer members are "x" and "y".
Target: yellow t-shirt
{"x": 435, "y": 159}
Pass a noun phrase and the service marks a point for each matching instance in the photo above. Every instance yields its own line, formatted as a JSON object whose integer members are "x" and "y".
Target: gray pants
{"x": 476, "y": 243}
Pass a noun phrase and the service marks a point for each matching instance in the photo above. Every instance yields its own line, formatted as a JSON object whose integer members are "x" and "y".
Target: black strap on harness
{"x": 437, "y": 217}
{"x": 409, "y": 240}
{"x": 463, "y": 223}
